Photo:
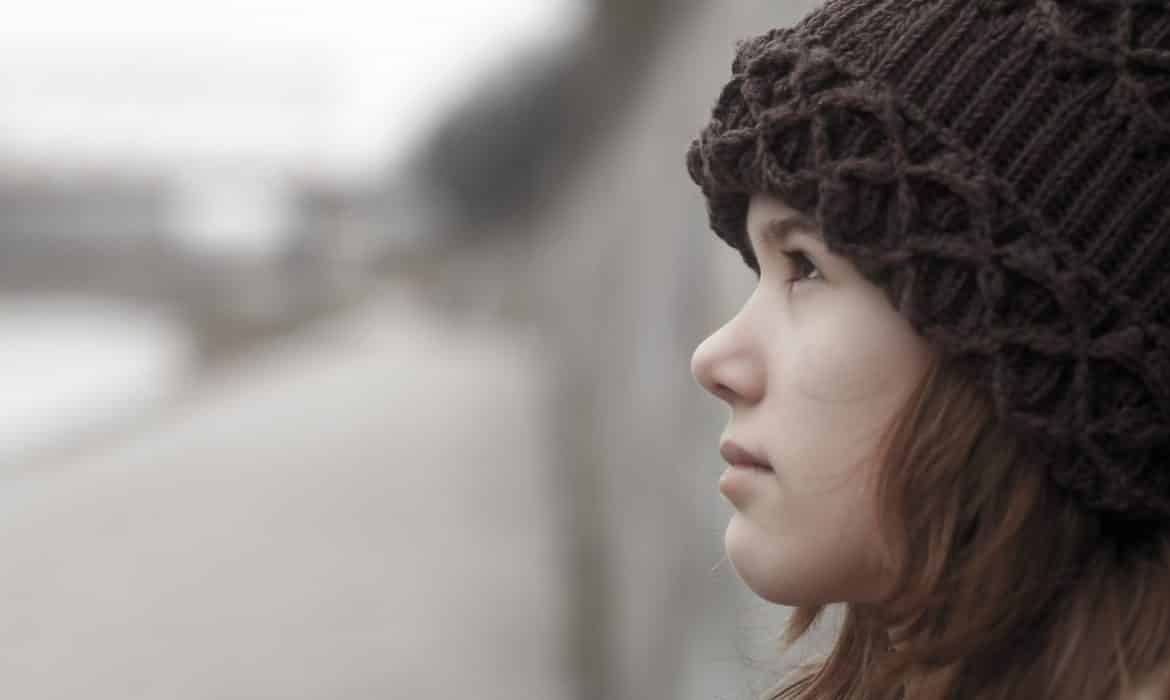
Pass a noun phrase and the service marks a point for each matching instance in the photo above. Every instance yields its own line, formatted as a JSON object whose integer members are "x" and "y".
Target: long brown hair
{"x": 1004, "y": 586}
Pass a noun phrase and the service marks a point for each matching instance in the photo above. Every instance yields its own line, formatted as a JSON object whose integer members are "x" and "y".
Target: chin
{"x": 790, "y": 577}
{"x": 773, "y": 587}
{"x": 789, "y": 593}
{"x": 769, "y": 592}
{"x": 759, "y": 564}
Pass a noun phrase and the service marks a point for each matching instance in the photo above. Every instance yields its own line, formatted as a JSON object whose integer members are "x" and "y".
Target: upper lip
{"x": 733, "y": 454}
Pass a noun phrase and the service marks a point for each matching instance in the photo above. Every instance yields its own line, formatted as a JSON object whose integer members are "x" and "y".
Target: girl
{"x": 950, "y": 389}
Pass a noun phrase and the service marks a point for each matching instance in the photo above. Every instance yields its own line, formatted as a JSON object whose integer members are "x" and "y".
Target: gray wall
{"x": 628, "y": 279}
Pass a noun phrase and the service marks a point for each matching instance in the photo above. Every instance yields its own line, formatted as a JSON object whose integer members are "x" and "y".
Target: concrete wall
{"x": 627, "y": 279}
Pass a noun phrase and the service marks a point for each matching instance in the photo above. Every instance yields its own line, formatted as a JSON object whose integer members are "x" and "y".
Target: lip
{"x": 737, "y": 456}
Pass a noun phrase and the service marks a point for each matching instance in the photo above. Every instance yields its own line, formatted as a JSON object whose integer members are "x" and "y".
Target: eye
{"x": 803, "y": 268}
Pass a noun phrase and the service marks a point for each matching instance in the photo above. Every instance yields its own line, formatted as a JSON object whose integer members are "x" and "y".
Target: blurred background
{"x": 346, "y": 352}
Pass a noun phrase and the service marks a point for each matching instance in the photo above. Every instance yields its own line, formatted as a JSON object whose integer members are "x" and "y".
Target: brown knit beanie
{"x": 1001, "y": 168}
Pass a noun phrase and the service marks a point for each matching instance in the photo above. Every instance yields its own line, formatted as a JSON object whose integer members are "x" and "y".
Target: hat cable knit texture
{"x": 1002, "y": 169}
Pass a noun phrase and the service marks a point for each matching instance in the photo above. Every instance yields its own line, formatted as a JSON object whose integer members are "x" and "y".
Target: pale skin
{"x": 812, "y": 367}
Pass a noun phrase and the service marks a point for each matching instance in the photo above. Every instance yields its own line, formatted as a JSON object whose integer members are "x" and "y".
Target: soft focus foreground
{"x": 347, "y": 356}
{"x": 345, "y": 516}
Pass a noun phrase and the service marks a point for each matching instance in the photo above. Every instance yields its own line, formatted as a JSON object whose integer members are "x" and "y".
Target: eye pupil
{"x": 805, "y": 269}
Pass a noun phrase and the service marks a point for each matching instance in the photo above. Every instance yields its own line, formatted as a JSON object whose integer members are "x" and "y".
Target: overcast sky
{"x": 342, "y": 86}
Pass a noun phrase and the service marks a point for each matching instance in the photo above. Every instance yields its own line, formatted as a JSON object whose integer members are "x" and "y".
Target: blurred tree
{"x": 516, "y": 137}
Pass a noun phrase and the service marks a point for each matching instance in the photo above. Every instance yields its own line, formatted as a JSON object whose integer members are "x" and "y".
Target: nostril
{"x": 723, "y": 391}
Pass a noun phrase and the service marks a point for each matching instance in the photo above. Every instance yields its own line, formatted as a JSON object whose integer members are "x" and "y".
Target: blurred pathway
{"x": 358, "y": 514}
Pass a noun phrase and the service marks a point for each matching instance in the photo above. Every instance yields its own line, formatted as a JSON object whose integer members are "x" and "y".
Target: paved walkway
{"x": 338, "y": 519}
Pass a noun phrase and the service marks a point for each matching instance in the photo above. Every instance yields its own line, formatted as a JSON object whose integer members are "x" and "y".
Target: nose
{"x": 729, "y": 364}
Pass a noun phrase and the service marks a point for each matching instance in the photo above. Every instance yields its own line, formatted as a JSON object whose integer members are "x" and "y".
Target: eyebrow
{"x": 778, "y": 230}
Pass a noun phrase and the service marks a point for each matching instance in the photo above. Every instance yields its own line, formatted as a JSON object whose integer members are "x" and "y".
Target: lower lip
{"x": 740, "y": 476}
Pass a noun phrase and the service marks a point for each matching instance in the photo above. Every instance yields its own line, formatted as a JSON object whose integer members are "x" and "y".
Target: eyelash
{"x": 795, "y": 257}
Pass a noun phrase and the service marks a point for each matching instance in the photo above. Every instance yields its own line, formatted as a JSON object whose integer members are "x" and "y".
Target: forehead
{"x": 768, "y": 214}
{"x": 762, "y": 207}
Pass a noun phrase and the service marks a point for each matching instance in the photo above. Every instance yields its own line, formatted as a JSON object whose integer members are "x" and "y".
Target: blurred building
{"x": 80, "y": 231}
{"x": 185, "y": 179}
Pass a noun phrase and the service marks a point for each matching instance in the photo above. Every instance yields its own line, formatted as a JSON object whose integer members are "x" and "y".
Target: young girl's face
{"x": 812, "y": 367}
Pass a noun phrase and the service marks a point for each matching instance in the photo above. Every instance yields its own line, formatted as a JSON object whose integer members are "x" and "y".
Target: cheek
{"x": 856, "y": 352}
{"x": 837, "y": 368}
{"x": 837, "y": 399}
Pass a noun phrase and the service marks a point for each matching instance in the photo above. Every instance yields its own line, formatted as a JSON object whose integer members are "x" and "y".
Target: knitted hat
{"x": 1001, "y": 168}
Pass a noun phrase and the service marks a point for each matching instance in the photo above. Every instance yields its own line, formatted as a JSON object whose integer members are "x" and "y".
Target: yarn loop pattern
{"x": 1001, "y": 168}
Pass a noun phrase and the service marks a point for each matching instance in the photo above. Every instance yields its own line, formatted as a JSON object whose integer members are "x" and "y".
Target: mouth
{"x": 753, "y": 467}
{"x": 740, "y": 458}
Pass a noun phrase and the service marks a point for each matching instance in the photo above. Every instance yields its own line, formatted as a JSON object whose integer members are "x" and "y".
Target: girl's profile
{"x": 949, "y": 391}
